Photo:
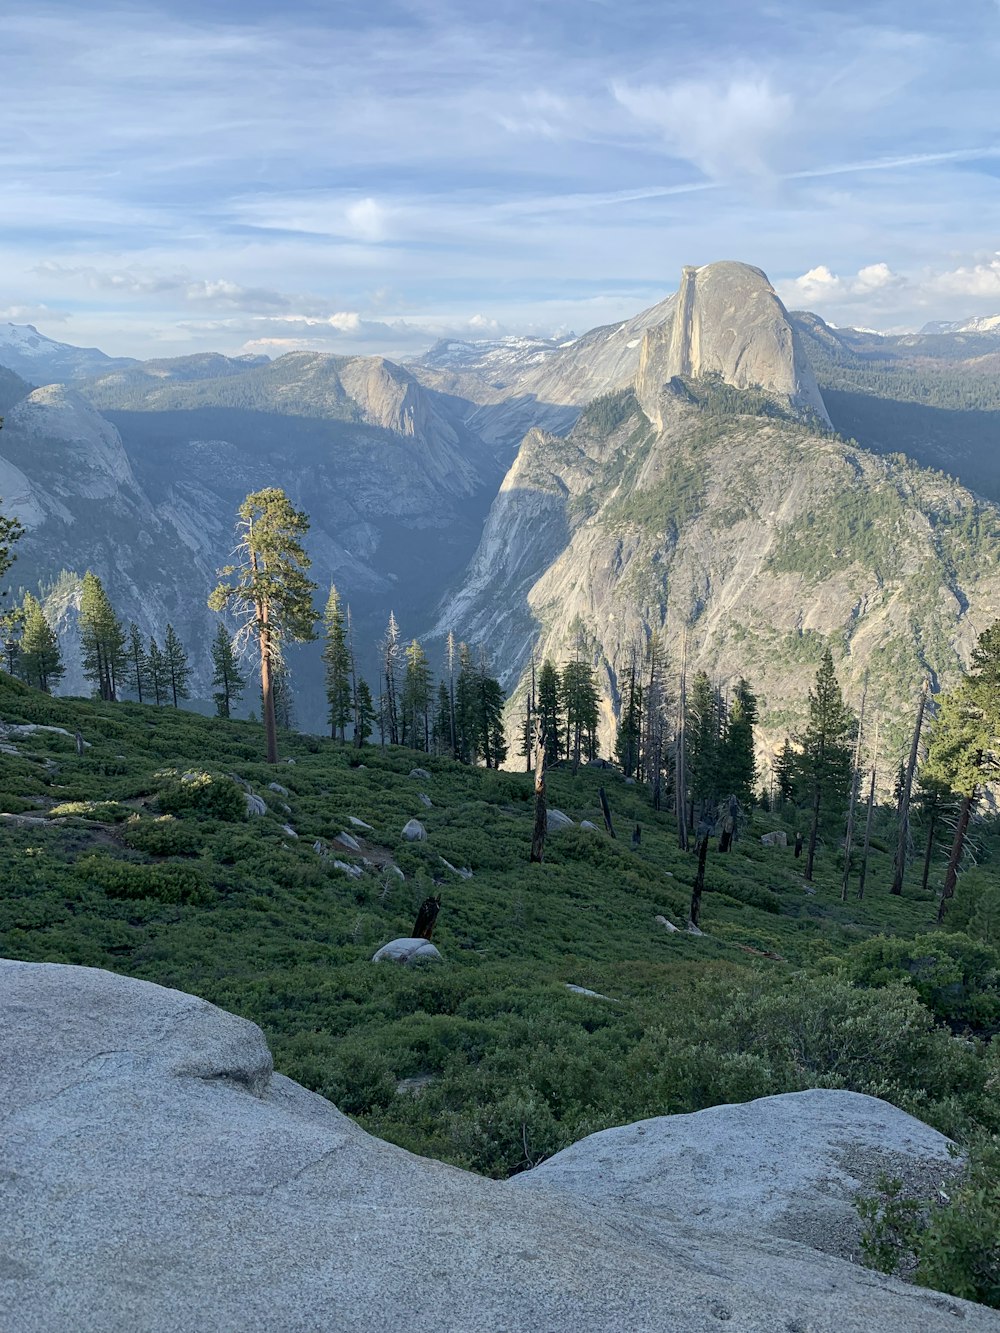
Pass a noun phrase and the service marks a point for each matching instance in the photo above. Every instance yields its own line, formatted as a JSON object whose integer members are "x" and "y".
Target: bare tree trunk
{"x": 813, "y": 833}
{"x": 699, "y": 881}
{"x": 607, "y": 811}
{"x": 899, "y": 864}
{"x": 957, "y": 848}
{"x": 267, "y": 688}
{"x": 929, "y": 851}
{"x": 680, "y": 778}
{"x": 541, "y": 808}
{"x": 855, "y": 780}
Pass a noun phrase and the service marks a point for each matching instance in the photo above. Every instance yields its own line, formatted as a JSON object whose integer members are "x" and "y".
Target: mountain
{"x": 42, "y": 360}
{"x": 978, "y": 324}
{"x": 138, "y": 474}
{"x": 934, "y": 396}
{"x": 703, "y": 501}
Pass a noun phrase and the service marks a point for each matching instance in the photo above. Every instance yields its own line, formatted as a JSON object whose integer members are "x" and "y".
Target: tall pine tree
{"x": 136, "y": 663}
{"x": 550, "y": 712}
{"x": 337, "y": 666}
{"x": 40, "y": 660}
{"x": 102, "y": 639}
{"x": 228, "y": 680}
{"x": 175, "y": 664}
{"x": 416, "y": 699}
{"x": 826, "y": 755}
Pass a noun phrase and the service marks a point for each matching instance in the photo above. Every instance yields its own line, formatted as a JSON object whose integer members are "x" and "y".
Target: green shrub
{"x": 165, "y": 836}
{"x": 125, "y": 879}
{"x": 104, "y": 812}
{"x": 956, "y": 977}
{"x": 203, "y": 793}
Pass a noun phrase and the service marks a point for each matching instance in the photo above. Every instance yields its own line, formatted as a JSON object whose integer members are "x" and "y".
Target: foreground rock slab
{"x": 159, "y": 1176}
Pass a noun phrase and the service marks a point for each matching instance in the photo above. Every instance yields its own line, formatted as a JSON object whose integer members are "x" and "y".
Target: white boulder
{"x": 419, "y": 773}
{"x": 779, "y": 838}
{"x": 255, "y": 804}
{"x": 414, "y": 831}
{"x": 348, "y": 841}
{"x": 408, "y": 951}
{"x": 556, "y": 820}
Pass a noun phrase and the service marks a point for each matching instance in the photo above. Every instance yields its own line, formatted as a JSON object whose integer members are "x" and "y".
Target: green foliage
{"x": 956, "y": 977}
{"x": 40, "y": 659}
{"x": 605, "y": 414}
{"x": 102, "y": 639}
{"x": 211, "y": 794}
{"x": 164, "y": 883}
{"x": 175, "y": 664}
{"x": 337, "y": 665}
{"x": 228, "y": 680}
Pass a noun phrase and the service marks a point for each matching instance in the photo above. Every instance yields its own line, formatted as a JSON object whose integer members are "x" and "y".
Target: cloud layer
{"x": 344, "y": 176}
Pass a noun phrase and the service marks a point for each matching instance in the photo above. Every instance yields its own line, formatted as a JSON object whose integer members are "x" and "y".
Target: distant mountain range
{"x": 763, "y": 481}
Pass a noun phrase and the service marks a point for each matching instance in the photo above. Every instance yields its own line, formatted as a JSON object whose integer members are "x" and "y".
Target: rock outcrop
{"x": 158, "y": 1175}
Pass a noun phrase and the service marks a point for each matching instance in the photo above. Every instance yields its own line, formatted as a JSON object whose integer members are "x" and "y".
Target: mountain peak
{"x": 727, "y": 320}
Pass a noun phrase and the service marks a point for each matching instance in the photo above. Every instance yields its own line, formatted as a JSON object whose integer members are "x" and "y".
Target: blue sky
{"x": 365, "y": 177}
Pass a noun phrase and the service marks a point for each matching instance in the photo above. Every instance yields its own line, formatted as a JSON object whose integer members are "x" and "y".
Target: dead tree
{"x": 680, "y": 777}
{"x": 607, "y": 811}
{"x": 424, "y": 926}
{"x": 958, "y": 845}
{"x": 541, "y": 806}
{"x": 699, "y": 880}
{"x": 899, "y": 865}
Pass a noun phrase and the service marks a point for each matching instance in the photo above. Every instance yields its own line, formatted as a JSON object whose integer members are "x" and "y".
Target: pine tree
{"x": 737, "y": 756}
{"x": 102, "y": 638}
{"x": 654, "y": 704}
{"x": 136, "y": 663}
{"x": 270, "y": 587}
{"x": 175, "y": 664}
{"x": 40, "y": 660}
{"x": 466, "y": 708}
{"x": 159, "y": 681}
{"x": 228, "y": 679}
{"x": 391, "y": 652}
{"x": 451, "y": 662}
{"x": 702, "y": 734}
{"x": 550, "y": 712}
{"x": 491, "y": 740}
{"x": 337, "y": 665}
{"x": 526, "y": 748}
{"x": 825, "y": 761}
{"x": 785, "y": 767}
{"x": 630, "y": 720}
{"x": 442, "y": 721}
{"x": 364, "y": 712}
{"x": 578, "y": 690}
{"x": 416, "y": 699}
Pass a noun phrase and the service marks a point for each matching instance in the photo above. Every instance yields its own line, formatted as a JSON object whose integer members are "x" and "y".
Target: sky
{"x": 367, "y": 177}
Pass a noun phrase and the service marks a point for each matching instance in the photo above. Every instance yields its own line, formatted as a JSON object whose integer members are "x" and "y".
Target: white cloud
{"x": 728, "y": 130}
{"x": 367, "y": 220}
{"x": 820, "y": 285}
{"x": 33, "y": 314}
{"x": 979, "y": 280}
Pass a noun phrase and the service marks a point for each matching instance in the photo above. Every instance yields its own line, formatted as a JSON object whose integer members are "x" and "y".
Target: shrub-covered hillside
{"x": 140, "y": 856}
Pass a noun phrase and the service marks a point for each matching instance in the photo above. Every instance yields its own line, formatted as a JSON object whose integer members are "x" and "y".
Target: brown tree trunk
{"x": 929, "y": 851}
{"x": 868, "y": 834}
{"x": 813, "y": 834}
{"x": 899, "y": 864}
{"x": 267, "y": 689}
{"x": 957, "y": 847}
{"x": 699, "y": 881}
{"x": 607, "y": 811}
{"x": 541, "y": 808}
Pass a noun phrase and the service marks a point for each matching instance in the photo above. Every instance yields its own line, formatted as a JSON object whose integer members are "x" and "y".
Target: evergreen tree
{"x": 364, "y": 712}
{"x": 40, "y": 660}
{"x": 270, "y": 587}
{"x": 175, "y": 665}
{"x": 491, "y": 739}
{"x": 702, "y": 735}
{"x": 825, "y": 760}
{"x": 337, "y": 665}
{"x": 526, "y": 747}
{"x": 228, "y": 679}
{"x": 550, "y": 712}
{"x": 630, "y": 720}
{"x": 416, "y": 699}
{"x": 451, "y": 662}
{"x": 11, "y": 625}
{"x": 442, "y": 720}
{"x": 785, "y": 769}
{"x": 578, "y": 690}
{"x": 466, "y": 708}
{"x": 284, "y": 700}
{"x": 136, "y": 663}
{"x": 158, "y": 678}
{"x": 654, "y": 703}
{"x": 964, "y": 749}
{"x": 737, "y": 757}
{"x": 392, "y": 652}
{"x": 102, "y": 638}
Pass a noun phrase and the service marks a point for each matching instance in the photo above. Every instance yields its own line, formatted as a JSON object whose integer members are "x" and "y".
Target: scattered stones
{"x": 348, "y": 841}
{"x": 692, "y": 929}
{"x": 278, "y": 789}
{"x": 667, "y": 925}
{"x": 407, "y": 951}
{"x": 424, "y": 799}
{"x": 355, "y": 872}
{"x": 359, "y": 823}
{"x": 557, "y": 820}
{"x": 777, "y": 839}
{"x": 255, "y": 804}
{"x": 419, "y": 773}
{"x": 289, "y": 761}
{"x": 319, "y": 847}
{"x": 414, "y": 831}
{"x": 462, "y": 871}
{"x": 287, "y": 829}
{"x": 590, "y": 827}
{"x": 29, "y": 729}
{"x": 191, "y": 776}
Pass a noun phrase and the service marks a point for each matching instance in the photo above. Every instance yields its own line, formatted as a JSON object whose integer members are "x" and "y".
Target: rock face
{"x": 728, "y": 321}
{"x": 159, "y": 1175}
{"x": 789, "y": 1166}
